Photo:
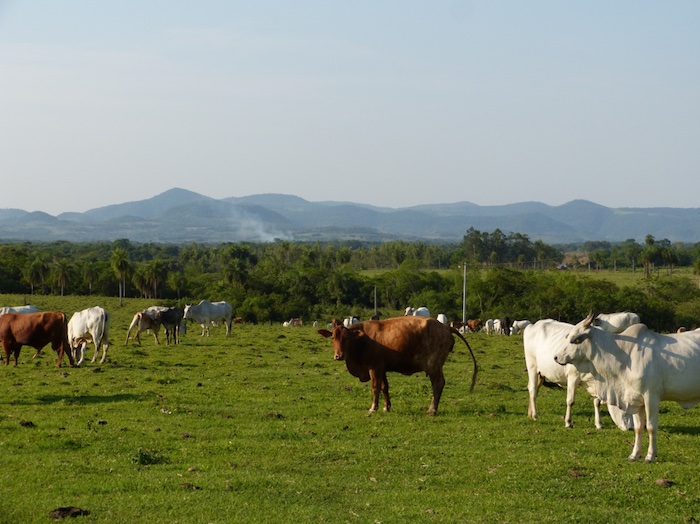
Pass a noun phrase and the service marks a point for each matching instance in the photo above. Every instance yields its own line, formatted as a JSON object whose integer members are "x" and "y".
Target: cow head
{"x": 574, "y": 351}
{"x": 342, "y": 339}
{"x": 187, "y": 314}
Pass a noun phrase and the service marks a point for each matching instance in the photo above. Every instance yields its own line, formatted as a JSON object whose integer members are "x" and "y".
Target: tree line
{"x": 272, "y": 282}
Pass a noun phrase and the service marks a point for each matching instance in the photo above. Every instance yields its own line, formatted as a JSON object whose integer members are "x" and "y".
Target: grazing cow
{"x": 636, "y": 370}
{"x": 143, "y": 321}
{"x": 473, "y": 324}
{"x": 540, "y": 341}
{"x": 457, "y": 324}
{"x": 518, "y": 326}
{"x": 206, "y": 312}
{"x": 88, "y": 325}
{"x": 19, "y": 309}
{"x": 505, "y": 326}
{"x": 616, "y": 322}
{"x": 442, "y": 318}
{"x": 405, "y": 344}
{"x": 417, "y": 312}
{"x": 35, "y": 330}
{"x": 349, "y": 321}
{"x": 490, "y": 326}
{"x": 170, "y": 319}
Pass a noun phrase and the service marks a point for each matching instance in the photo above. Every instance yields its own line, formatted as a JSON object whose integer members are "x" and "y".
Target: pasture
{"x": 264, "y": 426}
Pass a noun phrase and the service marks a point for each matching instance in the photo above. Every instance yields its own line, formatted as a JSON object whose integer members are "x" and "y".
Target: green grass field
{"x": 264, "y": 426}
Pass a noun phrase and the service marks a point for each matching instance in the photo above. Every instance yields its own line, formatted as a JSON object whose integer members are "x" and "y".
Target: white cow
{"x": 417, "y": 312}
{"x": 442, "y": 318}
{"x": 88, "y": 325}
{"x": 635, "y": 370}
{"x": 18, "y": 309}
{"x": 349, "y": 321}
{"x": 541, "y": 340}
{"x": 616, "y": 322}
{"x": 205, "y": 312}
{"x": 489, "y": 327}
{"x": 518, "y": 326}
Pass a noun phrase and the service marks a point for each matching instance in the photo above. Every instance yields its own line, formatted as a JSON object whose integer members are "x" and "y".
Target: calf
{"x": 407, "y": 345}
{"x": 170, "y": 319}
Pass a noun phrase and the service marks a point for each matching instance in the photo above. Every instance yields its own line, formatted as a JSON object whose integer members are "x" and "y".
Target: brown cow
{"x": 473, "y": 324}
{"x": 407, "y": 345}
{"x": 35, "y": 330}
{"x": 143, "y": 321}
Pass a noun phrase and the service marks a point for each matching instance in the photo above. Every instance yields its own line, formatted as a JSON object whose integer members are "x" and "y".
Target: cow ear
{"x": 325, "y": 333}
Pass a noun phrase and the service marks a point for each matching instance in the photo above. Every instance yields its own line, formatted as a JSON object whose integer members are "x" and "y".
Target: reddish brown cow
{"x": 407, "y": 345}
{"x": 35, "y": 330}
{"x": 473, "y": 324}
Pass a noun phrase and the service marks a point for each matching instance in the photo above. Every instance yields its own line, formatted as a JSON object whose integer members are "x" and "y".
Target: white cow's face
{"x": 577, "y": 346}
{"x": 187, "y": 312}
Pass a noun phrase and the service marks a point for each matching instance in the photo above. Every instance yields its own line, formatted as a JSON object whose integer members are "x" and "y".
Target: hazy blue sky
{"x": 391, "y": 103}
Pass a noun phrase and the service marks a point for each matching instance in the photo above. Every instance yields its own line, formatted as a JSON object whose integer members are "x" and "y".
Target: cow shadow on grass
{"x": 87, "y": 399}
{"x": 684, "y": 430}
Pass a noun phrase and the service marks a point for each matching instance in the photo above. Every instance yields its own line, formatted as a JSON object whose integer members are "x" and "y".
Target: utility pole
{"x": 464, "y": 296}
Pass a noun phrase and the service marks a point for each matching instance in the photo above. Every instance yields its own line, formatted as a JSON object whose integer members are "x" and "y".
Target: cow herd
{"x": 27, "y": 326}
{"x": 618, "y": 361}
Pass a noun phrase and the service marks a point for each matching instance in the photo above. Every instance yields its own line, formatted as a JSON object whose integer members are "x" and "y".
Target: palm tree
{"x": 61, "y": 270}
{"x": 121, "y": 265}
{"x": 35, "y": 273}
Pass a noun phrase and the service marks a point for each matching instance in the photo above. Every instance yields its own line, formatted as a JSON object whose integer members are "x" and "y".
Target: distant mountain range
{"x": 178, "y": 216}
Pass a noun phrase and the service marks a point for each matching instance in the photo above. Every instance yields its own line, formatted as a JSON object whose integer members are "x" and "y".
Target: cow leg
{"x": 105, "y": 346}
{"x": 16, "y": 353}
{"x": 438, "y": 382}
{"x": 652, "y": 408}
{"x": 596, "y": 411}
{"x": 7, "y": 350}
{"x": 378, "y": 378}
{"x": 638, "y": 418}
{"x": 534, "y": 382}
{"x": 571, "y": 385}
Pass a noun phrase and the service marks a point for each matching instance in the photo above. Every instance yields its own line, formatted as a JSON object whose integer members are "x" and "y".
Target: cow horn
{"x": 589, "y": 319}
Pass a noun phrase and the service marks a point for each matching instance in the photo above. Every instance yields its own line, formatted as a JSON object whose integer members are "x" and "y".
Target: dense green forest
{"x": 271, "y": 282}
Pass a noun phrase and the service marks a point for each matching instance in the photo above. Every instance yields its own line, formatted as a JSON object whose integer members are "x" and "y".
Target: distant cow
{"x": 143, "y": 321}
{"x": 442, "y": 318}
{"x": 170, "y": 319}
{"x": 19, "y": 309}
{"x": 35, "y": 330}
{"x": 417, "y": 312}
{"x": 407, "y": 345}
{"x": 473, "y": 324}
{"x": 505, "y": 326}
{"x": 616, "y": 322}
{"x": 349, "y": 321}
{"x": 206, "y": 312}
{"x": 89, "y": 325}
{"x": 518, "y": 326}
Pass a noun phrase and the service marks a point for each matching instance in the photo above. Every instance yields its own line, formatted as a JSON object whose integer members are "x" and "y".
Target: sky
{"x": 388, "y": 103}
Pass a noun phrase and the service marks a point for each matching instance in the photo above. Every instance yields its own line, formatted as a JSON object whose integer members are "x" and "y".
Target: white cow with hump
{"x": 541, "y": 340}
{"x": 19, "y": 309}
{"x": 636, "y": 370}
{"x": 616, "y": 322}
{"x": 88, "y": 325}
{"x": 206, "y": 312}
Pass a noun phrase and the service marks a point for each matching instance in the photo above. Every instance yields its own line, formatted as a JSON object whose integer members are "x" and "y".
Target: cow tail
{"x": 476, "y": 367}
{"x": 65, "y": 344}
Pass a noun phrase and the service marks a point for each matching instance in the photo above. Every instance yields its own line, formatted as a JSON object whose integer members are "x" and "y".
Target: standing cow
{"x": 407, "y": 345}
{"x": 143, "y": 321}
{"x": 35, "y": 330}
{"x": 206, "y": 312}
{"x": 170, "y": 319}
{"x": 89, "y": 325}
{"x": 636, "y": 370}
